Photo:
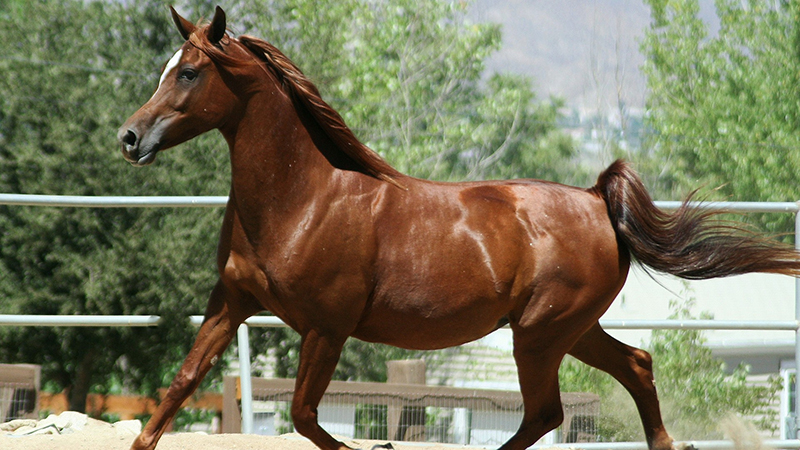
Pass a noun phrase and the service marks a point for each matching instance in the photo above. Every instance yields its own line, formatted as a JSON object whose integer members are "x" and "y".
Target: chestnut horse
{"x": 326, "y": 235}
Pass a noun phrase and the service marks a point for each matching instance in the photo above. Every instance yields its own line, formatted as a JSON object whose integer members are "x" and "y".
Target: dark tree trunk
{"x": 82, "y": 383}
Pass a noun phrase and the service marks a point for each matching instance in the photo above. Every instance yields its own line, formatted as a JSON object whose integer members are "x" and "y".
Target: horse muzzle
{"x": 135, "y": 150}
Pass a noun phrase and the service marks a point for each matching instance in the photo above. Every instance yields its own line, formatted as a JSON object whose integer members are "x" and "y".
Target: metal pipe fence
{"x": 78, "y": 321}
{"x": 81, "y": 201}
{"x": 270, "y": 321}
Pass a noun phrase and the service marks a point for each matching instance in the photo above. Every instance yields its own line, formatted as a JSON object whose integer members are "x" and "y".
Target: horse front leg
{"x": 319, "y": 355}
{"x": 223, "y": 316}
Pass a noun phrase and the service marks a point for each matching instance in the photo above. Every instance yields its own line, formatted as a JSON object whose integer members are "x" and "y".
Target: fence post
{"x": 244, "y": 376}
{"x": 796, "y": 415}
{"x": 231, "y": 415}
{"x": 405, "y": 423}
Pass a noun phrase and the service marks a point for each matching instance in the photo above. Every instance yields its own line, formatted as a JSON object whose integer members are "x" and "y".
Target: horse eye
{"x": 188, "y": 74}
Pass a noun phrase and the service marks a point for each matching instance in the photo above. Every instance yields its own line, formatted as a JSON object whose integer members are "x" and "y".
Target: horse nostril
{"x": 129, "y": 139}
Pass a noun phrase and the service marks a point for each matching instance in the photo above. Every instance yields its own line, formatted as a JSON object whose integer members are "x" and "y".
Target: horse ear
{"x": 217, "y": 29}
{"x": 185, "y": 27}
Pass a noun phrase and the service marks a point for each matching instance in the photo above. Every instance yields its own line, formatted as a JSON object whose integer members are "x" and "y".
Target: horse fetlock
{"x": 386, "y": 446}
{"x": 143, "y": 442}
{"x": 664, "y": 442}
{"x": 683, "y": 446}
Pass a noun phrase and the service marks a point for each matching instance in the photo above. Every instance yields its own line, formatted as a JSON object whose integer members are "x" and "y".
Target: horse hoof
{"x": 684, "y": 446}
{"x": 386, "y": 446}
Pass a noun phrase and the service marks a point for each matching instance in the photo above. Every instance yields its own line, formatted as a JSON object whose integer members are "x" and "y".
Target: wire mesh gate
{"x": 405, "y": 412}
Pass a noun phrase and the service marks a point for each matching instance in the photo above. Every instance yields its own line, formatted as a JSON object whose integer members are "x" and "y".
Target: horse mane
{"x": 307, "y": 93}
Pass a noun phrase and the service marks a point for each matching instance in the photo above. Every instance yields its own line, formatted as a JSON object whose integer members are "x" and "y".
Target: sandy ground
{"x": 99, "y": 435}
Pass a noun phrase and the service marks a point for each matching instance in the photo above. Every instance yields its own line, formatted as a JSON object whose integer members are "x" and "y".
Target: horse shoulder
{"x": 237, "y": 263}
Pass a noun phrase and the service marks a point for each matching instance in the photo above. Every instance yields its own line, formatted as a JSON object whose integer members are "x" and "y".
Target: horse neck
{"x": 276, "y": 154}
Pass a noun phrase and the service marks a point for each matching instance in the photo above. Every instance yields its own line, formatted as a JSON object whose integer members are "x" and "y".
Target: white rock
{"x": 23, "y": 430}
{"x": 128, "y": 427}
{"x": 29, "y": 431}
{"x": 17, "y": 424}
{"x": 66, "y": 422}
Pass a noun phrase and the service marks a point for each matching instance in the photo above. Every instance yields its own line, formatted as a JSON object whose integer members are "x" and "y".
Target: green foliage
{"x": 618, "y": 421}
{"x": 186, "y": 417}
{"x": 406, "y": 76}
{"x": 65, "y": 90}
{"x": 697, "y": 392}
{"x": 370, "y": 422}
{"x": 574, "y": 376}
{"x": 723, "y": 108}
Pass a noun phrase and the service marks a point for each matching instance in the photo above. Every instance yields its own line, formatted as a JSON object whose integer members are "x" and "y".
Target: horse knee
{"x": 304, "y": 419}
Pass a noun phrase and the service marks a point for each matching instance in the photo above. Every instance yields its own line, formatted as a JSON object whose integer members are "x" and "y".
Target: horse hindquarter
{"x": 579, "y": 271}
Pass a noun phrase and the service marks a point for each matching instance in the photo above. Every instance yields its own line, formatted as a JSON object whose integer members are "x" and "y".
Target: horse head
{"x": 193, "y": 96}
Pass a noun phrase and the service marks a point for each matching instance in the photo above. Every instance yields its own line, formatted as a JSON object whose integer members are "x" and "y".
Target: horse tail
{"x": 685, "y": 243}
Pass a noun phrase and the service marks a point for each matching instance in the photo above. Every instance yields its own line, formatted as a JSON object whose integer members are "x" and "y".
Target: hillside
{"x": 586, "y": 51}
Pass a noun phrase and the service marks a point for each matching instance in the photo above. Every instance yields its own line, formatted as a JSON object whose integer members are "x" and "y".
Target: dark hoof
{"x": 386, "y": 446}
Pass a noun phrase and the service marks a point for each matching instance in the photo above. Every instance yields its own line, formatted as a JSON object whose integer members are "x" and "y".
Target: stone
{"x": 66, "y": 422}
{"x": 125, "y": 428}
{"x": 16, "y": 424}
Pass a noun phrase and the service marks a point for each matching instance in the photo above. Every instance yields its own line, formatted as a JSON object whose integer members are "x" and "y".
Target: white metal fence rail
{"x": 78, "y": 321}
{"x": 264, "y": 321}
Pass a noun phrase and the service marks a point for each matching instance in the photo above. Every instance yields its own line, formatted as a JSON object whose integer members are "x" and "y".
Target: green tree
{"x": 407, "y": 77}
{"x": 698, "y": 392}
{"x": 723, "y": 108}
{"x": 72, "y": 71}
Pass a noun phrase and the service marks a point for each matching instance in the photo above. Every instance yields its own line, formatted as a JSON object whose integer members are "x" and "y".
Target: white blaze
{"x": 171, "y": 64}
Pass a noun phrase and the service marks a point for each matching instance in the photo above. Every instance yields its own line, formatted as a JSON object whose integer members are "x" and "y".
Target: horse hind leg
{"x": 633, "y": 368}
{"x": 543, "y": 332}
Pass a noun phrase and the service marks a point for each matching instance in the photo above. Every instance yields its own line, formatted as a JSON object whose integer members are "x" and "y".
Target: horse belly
{"x": 426, "y": 322}
{"x": 450, "y": 266}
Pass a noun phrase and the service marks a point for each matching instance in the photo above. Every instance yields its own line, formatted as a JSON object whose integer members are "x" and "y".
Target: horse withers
{"x": 326, "y": 235}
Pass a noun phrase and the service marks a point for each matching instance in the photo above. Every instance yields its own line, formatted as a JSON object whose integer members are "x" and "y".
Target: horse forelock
{"x": 301, "y": 88}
